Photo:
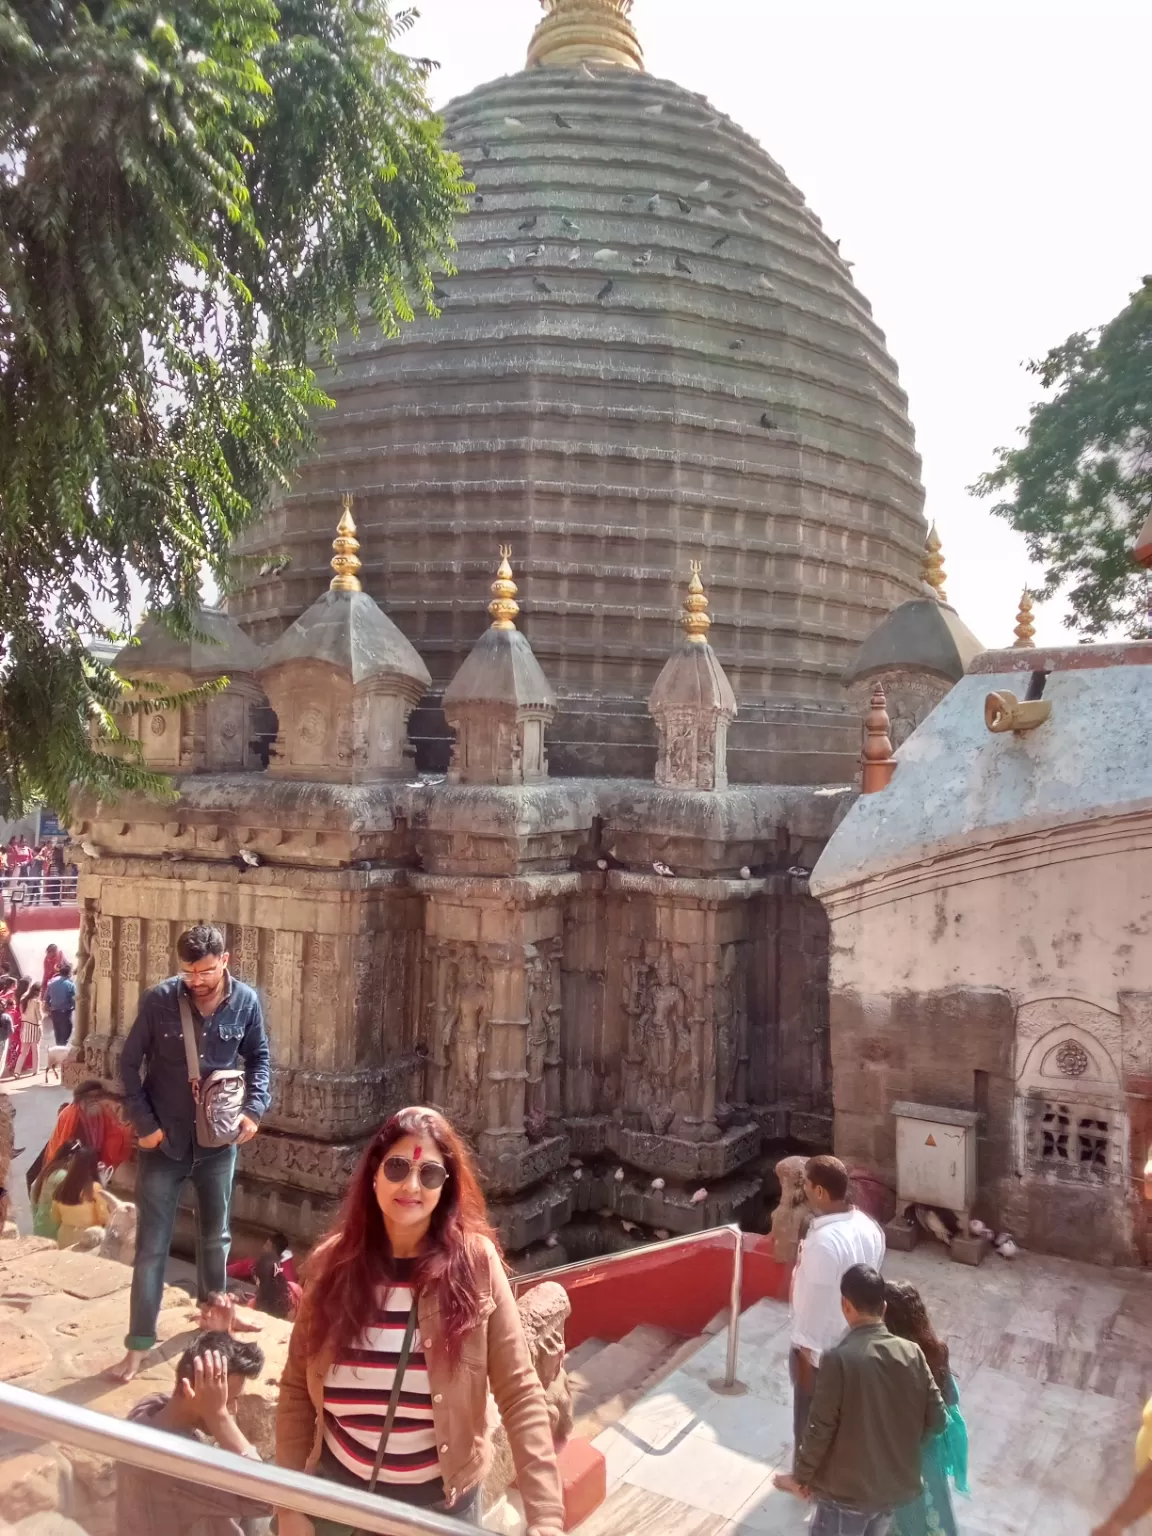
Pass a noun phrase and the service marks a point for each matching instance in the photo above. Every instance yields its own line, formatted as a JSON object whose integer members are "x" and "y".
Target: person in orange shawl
{"x": 93, "y": 1118}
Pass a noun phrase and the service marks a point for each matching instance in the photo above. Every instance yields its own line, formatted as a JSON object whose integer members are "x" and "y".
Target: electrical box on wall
{"x": 936, "y": 1156}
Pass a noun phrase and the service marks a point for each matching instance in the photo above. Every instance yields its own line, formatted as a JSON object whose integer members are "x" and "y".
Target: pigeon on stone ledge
{"x": 662, "y": 869}
{"x": 699, "y": 1197}
{"x": 656, "y": 1184}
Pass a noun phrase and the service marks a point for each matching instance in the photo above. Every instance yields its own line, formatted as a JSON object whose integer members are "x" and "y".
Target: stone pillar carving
{"x": 693, "y": 705}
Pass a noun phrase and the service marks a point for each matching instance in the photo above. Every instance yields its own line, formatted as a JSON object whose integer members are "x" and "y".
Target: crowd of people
{"x": 404, "y": 1320}
{"x": 39, "y": 873}
{"x": 24, "y": 1006}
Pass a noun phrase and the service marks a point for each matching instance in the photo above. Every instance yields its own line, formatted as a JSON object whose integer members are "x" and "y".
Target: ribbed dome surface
{"x": 651, "y": 354}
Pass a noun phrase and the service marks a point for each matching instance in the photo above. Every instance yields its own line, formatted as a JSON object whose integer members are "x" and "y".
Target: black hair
{"x": 828, "y": 1174}
{"x": 241, "y": 1358}
{"x": 279, "y": 1242}
{"x": 199, "y": 942}
{"x": 273, "y": 1294}
{"x": 82, "y": 1177}
{"x": 864, "y": 1288}
{"x": 65, "y": 970}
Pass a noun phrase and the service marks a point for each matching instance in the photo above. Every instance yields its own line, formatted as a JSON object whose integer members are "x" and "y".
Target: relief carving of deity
{"x": 731, "y": 1032}
{"x": 543, "y": 1034}
{"x": 465, "y": 1014}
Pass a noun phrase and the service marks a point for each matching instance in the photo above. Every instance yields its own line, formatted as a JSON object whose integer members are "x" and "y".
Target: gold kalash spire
{"x": 1025, "y": 628}
{"x": 504, "y": 606}
{"x": 345, "y": 560}
{"x": 586, "y": 32}
{"x": 933, "y": 568}
{"x": 695, "y": 618}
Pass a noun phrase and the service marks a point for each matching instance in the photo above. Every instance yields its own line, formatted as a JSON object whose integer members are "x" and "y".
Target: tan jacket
{"x": 494, "y": 1355}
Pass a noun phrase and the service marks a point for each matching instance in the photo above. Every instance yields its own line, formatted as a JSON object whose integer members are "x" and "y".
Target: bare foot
{"x": 787, "y": 1484}
{"x": 127, "y": 1367}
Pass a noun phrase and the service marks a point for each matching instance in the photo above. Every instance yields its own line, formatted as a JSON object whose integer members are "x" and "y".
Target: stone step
{"x": 608, "y": 1382}
{"x": 575, "y": 1358}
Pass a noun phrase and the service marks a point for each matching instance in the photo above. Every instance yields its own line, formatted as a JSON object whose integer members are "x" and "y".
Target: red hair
{"x": 355, "y": 1259}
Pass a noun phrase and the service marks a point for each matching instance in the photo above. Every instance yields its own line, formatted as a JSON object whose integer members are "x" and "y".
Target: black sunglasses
{"x": 397, "y": 1169}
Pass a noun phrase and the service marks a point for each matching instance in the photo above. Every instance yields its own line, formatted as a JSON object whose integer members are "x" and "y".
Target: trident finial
{"x": 1025, "y": 629}
{"x": 345, "y": 560}
{"x": 504, "y": 606}
{"x": 933, "y": 567}
{"x": 695, "y": 617}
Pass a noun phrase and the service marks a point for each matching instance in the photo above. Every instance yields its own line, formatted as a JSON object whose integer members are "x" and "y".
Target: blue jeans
{"x": 161, "y": 1178}
{"x": 836, "y": 1520}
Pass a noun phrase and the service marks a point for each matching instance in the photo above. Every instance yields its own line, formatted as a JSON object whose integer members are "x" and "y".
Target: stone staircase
{"x": 606, "y": 1379}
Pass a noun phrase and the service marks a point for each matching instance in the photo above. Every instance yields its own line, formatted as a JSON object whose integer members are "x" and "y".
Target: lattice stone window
{"x": 1079, "y": 1139}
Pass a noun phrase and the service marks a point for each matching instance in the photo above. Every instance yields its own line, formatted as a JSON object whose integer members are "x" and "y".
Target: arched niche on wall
{"x": 1071, "y": 1122}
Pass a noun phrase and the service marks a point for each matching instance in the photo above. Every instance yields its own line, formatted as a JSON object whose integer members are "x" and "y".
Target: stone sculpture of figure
{"x": 661, "y": 1022}
{"x": 539, "y": 980}
{"x": 790, "y": 1216}
{"x": 730, "y": 1030}
{"x": 463, "y": 1040}
{"x": 544, "y": 1312}
{"x": 665, "y": 1043}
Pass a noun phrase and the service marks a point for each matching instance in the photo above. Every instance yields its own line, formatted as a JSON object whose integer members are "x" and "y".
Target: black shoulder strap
{"x": 394, "y": 1396}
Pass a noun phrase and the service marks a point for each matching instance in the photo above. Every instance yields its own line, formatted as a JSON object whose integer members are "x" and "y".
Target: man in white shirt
{"x": 839, "y": 1237}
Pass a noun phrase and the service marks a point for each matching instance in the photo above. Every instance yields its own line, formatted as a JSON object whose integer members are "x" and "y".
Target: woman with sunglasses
{"x": 406, "y": 1324}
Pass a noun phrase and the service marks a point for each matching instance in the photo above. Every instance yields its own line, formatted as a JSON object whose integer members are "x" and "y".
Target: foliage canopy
{"x": 194, "y": 201}
{"x": 1080, "y": 486}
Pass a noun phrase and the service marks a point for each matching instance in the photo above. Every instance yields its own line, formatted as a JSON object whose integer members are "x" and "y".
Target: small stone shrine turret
{"x": 343, "y": 681}
{"x": 499, "y": 701}
{"x": 693, "y": 704}
{"x": 918, "y": 653}
{"x": 218, "y": 734}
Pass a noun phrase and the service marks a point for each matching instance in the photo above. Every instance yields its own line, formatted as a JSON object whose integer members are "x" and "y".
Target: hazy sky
{"x": 985, "y": 166}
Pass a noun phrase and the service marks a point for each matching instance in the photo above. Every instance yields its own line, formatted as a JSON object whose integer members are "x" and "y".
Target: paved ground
{"x": 1054, "y": 1361}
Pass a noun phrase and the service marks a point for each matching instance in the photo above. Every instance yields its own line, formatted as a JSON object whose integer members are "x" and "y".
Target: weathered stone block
{"x": 520, "y": 1167}
{"x": 679, "y": 1159}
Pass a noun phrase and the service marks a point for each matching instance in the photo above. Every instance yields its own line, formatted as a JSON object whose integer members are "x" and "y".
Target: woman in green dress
{"x": 943, "y": 1458}
{"x": 43, "y": 1191}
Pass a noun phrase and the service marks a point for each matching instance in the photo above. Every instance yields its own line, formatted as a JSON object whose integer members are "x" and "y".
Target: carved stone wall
{"x": 589, "y": 1024}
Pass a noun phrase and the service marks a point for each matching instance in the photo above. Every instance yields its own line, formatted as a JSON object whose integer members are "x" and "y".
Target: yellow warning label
{"x": 931, "y": 1142}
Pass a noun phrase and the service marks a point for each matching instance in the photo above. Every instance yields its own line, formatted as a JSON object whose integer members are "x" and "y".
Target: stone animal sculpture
{"x": 544, "y": 1311}
{"x": 791, "y": 1214}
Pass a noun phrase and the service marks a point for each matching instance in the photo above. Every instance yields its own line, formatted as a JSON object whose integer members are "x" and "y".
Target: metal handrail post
{"x": 734, "y": 1308}
{"x": 156, "y": 1450}
{"x": 735, "y": 1293}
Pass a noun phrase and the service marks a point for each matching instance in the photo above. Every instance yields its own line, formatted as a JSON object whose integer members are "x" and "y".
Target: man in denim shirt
{"x": 229, "y": 1025}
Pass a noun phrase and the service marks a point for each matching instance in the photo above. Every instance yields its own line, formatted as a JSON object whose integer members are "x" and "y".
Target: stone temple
{"x": 547, "y": 865}
{"x": 651, "y": 354}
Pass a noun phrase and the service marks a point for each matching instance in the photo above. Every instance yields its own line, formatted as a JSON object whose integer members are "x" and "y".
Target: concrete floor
{"x": 36, "y": 1107}
{"x": 1054, "y": 1361}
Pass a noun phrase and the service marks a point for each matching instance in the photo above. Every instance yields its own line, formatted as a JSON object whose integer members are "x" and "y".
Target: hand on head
{"x": 206, "y": 1391}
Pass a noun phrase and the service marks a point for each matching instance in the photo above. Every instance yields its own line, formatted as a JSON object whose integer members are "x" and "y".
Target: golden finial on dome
{"x": 695, "y": 617}
{"x": 933, "y": 567}
{"x": 504, "y": 606}
{"x": 586, "y": 32}
{"x": 345, "y": 560}
{"x": 1025, "y": 629}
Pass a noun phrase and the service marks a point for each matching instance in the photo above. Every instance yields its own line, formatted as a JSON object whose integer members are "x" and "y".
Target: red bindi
{"x": 416, "y": 1155}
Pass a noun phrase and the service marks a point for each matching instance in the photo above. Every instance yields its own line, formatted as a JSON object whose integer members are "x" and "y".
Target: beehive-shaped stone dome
{"x": 651, "y": 354}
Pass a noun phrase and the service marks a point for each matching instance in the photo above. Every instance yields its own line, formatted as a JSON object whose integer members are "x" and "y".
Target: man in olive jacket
{"x": 875, "y": 1403}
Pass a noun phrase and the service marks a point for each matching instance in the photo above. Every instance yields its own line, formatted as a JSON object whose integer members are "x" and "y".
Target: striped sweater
{"x": 356, "y": 1393}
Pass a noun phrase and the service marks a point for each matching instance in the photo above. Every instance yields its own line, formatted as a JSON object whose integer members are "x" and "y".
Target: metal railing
{"x": 50, "y": 1418}
{"x": 608, "y": 1260}
{"x": 39, "y": 890}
